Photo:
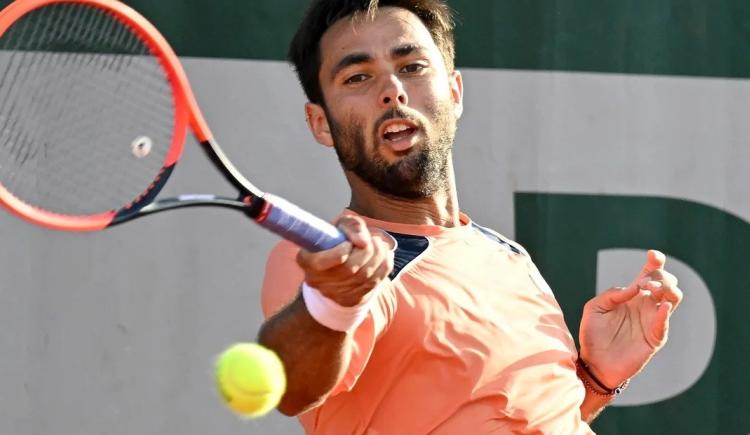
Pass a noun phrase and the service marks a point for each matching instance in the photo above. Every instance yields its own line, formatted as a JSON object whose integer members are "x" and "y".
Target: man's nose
{"x": 393, "y": 93}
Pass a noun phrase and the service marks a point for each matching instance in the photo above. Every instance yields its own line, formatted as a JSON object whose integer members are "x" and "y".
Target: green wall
{"x": 672, "y": 37}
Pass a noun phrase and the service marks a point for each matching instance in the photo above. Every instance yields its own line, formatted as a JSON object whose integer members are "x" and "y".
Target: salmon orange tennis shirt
{"x": 466, "y": 338}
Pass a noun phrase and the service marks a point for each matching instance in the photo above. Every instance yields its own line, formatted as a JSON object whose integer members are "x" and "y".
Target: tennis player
{"x": 454, "y": 331}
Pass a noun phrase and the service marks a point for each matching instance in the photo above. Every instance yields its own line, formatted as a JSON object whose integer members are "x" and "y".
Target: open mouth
{"x": 398, "y": 133}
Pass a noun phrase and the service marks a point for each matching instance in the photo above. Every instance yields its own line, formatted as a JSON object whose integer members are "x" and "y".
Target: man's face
{"x": 390, "y": 104}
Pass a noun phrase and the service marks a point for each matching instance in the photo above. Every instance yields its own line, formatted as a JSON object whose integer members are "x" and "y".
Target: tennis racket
{"x": 94, "y": 112}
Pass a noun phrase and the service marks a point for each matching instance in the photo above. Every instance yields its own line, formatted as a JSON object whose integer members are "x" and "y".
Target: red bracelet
{"x": 584, "y": 373}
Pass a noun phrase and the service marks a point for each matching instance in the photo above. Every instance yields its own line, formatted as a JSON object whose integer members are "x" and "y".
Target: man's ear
{"x": 317, "y": 122}
{"x": 457, "y": 93}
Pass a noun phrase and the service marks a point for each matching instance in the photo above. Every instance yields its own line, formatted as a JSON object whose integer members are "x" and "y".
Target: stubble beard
{"x": 420, "y": 174}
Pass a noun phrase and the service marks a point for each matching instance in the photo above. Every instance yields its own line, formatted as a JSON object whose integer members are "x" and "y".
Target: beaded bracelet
{"x": 584, "y": 373}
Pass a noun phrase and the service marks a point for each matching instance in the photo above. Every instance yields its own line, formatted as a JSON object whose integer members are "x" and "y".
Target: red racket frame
{"x": 186, "y": 111}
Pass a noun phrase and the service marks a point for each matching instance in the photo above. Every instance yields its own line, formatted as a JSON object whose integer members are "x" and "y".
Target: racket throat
{"x": 220, "y": 160}
{"x": 144, "y": 200}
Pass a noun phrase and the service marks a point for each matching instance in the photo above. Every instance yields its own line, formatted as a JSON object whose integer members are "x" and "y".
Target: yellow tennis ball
{"x": 250, "y": 379}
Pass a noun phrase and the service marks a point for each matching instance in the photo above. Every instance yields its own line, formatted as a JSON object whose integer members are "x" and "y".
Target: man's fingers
{"x": 660, "y": 327}
{"x": 654, "y": 265}
{"x": 324, "y": 260}
{"x": 613, "y": 297}
{"x": 355, "y": 229}
{"x": 381, "y": 254}
{"x": 662, "y": 276}
{"x": 348, "y": 282}
{"x": 662, "y": 289}
{"x": 386, "y": 267}
{"x": 348, "y": 272}
{"x": 358, "y": 259}
{"x": 347, "y": 262}
{"x": 358, "y": 236}
{"x": 654, "y": 261}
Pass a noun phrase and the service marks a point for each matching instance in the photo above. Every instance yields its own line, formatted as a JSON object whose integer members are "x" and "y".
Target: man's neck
{"x": 440, "y": 208}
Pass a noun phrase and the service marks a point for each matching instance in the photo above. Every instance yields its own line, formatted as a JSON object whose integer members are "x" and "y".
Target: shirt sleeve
{"x": 281, "y": 285}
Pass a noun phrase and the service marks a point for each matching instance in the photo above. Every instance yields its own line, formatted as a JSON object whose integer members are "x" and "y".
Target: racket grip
{"x": 299, "y": 226}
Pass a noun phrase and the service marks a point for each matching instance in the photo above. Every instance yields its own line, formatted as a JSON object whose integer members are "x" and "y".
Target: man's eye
{"x": 357, "y": 78}
{"x": 412, "y": 68}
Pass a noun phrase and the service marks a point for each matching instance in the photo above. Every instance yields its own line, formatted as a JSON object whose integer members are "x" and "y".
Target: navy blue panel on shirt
{"x": 409, "y": 248}
{"x": 495, "y": 237}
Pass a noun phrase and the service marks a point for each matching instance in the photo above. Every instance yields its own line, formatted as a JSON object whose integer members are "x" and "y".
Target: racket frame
{"x": 186, "y": 113}
{"x": 273, "y": 213}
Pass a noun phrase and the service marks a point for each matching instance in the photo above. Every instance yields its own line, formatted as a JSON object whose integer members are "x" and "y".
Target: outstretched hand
{"x": 622, "y": 328}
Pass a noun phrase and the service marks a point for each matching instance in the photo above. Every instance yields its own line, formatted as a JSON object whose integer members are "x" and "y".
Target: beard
{"x": 419, "y": 174}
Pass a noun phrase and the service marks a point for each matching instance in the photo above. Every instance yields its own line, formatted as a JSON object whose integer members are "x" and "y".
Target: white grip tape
{"x": 332, "y": 315}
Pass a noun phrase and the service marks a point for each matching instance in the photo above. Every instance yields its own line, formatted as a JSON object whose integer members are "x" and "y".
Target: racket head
{"x": 94, "y": 111}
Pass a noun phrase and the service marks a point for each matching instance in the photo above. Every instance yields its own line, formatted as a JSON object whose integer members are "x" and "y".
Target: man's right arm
{"x": 315, "y": 357}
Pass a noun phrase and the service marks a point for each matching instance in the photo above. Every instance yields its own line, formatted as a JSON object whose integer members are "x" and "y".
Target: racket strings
{"x": 25, "y": 141}
{"x": 104, "y": 61}
{"x": 78, "y": 89}
{"x": 22, "y": 135}
{"x": 123, "y": 38}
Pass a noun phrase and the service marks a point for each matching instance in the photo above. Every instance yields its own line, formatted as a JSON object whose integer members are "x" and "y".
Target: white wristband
{"x": 332, "y": 315}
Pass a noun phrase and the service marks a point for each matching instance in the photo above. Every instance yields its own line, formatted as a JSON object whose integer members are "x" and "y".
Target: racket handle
{"x": 299, "y": 226}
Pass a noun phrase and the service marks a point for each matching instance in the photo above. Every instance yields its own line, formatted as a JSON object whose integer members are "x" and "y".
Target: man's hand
{"x": 347, "y": 273}
{"x": 622, "y": 328}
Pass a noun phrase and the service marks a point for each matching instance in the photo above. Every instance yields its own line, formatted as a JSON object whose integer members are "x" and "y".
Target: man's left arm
{"x": 622, "y": 329}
